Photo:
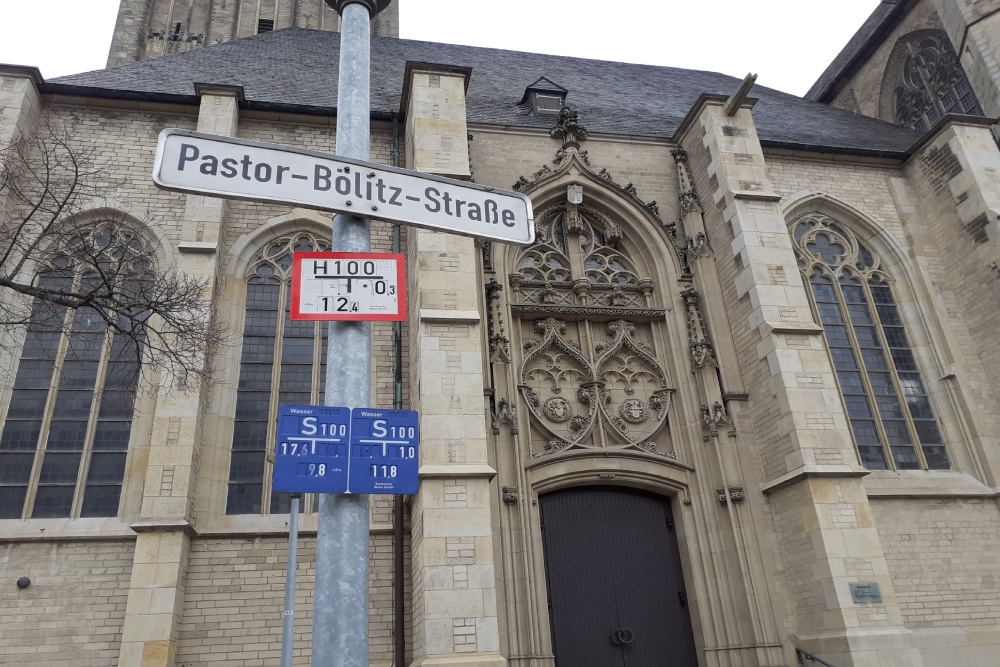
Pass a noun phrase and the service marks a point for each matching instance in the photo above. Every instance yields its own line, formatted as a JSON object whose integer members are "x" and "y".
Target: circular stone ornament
{"x": 557, "y": 409}
{"x": 634, "y": 411}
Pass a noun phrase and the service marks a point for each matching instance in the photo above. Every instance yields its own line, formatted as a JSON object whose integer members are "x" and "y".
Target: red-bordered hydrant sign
{"x": 355, "y": 286}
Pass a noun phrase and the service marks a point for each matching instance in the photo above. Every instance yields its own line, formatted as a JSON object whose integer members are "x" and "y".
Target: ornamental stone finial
{"x": 568, "y": 128}
{"x": 374, "y": 6}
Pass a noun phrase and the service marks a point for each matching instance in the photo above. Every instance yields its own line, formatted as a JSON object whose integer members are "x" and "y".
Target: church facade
{"x": 735, "y": 407}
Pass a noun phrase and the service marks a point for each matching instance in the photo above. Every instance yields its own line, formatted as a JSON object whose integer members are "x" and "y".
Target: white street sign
{"x": 201, "y": 163}
{"x": 357, "y": 286}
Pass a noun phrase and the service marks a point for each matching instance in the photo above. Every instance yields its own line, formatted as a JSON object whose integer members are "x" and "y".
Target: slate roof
{"x": 296, "y": 69}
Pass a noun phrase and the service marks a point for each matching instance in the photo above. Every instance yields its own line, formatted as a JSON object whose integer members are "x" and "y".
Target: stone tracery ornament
{"x": 685, "y": 192}
{"x": 701, "y": 348}
{"x": 619, "y": 384}
{"x": 543, "y": 271}
{"x": 568, "y": 127}
{"x": 498, "y": 340}
{"x": 504, "y": 413}
{"x": 714, "y": 417}
{"x": 824, "y": 245}
{"x": 698, "y": 246}
{"x": 553, "y": 446}
{"x": 631, "y": 378}
{"x": 735, "y": 495}
{"x": 931, "y": 84}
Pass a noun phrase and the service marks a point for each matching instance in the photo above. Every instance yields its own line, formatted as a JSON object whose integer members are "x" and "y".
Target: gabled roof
{"x": 868, "y": 38}
{"x": 545, "y": 84}
{"x": 296, "y": 69}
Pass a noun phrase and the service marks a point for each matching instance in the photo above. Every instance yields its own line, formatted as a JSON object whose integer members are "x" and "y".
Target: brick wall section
{"x": 72, "y": 614}
{"x": 862, "y": 186}
{"x": 499, "y": 159}
{"x": 942, "y": 558}
{"x": 795, "y": 582}
{"x": 127, "y": 145}
{"x": 235, "y": 597}
{"x": 952, "y": 183}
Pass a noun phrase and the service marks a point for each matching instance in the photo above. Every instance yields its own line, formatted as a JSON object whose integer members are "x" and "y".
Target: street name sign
{"x": 339, "y": 450}
{"x": 383, "y": 451}
{"x": 311, "y": 455}
{"x": 194, "y": 162}
{"x": 353, "y": 286}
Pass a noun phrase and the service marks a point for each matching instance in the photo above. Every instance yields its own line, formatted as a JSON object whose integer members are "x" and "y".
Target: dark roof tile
{"x": 298, "y": 67}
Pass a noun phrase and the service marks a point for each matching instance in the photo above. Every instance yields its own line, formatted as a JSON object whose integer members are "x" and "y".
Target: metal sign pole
{"x": 288, "y": 626}
{"x": 340, "y": 614}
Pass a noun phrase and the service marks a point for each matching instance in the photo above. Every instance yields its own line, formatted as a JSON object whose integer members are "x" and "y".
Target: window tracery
{"x": 887, "y": 403}
{"x": 281, "y": 362}
{"x": 65, "y": 439}
{"x": 931, "y": 84}
{"x": 589, "y": 375}
{"x": 544, "y": 272}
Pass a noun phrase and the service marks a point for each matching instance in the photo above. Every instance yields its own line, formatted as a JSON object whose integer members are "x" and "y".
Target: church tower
{"x": 151, "y": 28}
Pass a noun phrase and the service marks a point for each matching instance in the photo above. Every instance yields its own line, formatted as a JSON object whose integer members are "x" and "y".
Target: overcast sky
{"x": 787, "y": 43}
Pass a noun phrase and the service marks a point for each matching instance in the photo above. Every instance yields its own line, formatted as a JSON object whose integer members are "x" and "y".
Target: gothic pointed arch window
{"x": 931, "y": 83}
{"x": 65, "y": 438}
{"x": 281, "y": 362}
{"x": 884, "y": 394}
{"x": 590, "y": 373}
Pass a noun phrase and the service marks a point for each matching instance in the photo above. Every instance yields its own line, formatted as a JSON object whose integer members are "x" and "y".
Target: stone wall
{"x": 148, "y": 29}
{"x": 74, "y": 609}
{"x": 942, "y": 557}
{"x": 235, "y": 597}
{"x": 863, "y": 91}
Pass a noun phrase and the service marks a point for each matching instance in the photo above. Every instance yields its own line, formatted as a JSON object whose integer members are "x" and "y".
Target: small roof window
{"x": 543, "y": 98}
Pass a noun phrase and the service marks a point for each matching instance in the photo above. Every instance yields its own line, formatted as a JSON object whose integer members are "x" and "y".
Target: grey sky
{"x": 787, "y": 43}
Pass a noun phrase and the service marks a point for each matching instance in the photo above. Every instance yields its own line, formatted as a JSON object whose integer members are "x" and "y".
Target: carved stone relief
{"x": 544, "y": 274}
{"x": 612, "y": 393}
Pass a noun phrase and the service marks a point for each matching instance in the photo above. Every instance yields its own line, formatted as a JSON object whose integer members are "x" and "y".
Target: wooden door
{"x": 616, "y": 592}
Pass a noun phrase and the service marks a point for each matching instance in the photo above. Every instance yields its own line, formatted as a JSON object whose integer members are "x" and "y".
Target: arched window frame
{"x": 840, "y": 307}
{"x": 67, "y": 429}
{"x": 248, "y": 485}
{"x": 924, "y": 81}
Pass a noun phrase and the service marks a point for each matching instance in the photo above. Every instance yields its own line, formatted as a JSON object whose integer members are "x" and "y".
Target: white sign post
{"x": 194, "y": 162}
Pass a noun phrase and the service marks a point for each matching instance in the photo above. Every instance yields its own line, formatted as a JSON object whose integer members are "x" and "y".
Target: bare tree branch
{"x": 94, "y": 274}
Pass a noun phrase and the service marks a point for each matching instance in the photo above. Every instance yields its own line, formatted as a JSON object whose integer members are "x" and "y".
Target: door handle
{"x": 622, "y": 637}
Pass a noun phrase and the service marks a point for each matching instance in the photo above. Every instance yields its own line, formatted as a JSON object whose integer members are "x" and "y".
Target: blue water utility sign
{"x": 323, "y": 450}
{"x": 311, "y": 455}
{"x": 383, "y": 451}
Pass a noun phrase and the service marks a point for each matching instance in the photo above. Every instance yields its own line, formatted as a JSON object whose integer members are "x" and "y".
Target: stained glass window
{"x": 932, "y": 84}
{"x": 885, "y": 398}
{"x": 282, "y": 362}
{"x": 65, "y": 438}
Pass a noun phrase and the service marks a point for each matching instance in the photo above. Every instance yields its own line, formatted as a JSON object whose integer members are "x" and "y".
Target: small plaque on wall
{"x": 865, "y": 591}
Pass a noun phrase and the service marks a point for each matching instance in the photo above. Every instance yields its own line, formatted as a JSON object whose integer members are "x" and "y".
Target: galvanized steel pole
{"x": 288, "y": 626}
{"x": 340, "y": 613}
